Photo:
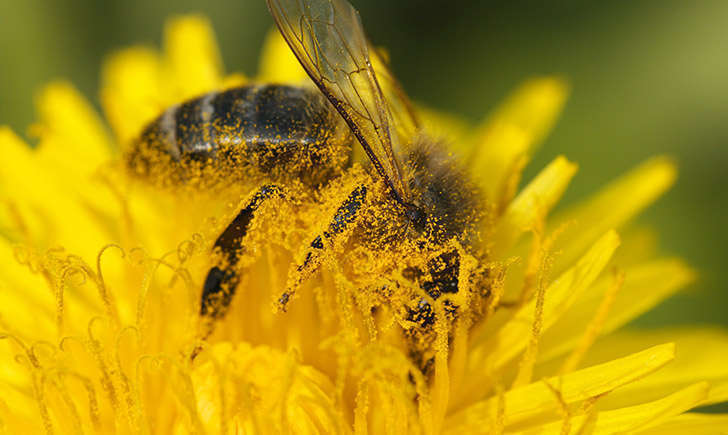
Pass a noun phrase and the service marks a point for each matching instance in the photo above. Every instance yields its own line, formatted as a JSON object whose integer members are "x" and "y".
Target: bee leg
{"x": 345, "y": 217}
{"x": 223, "y": 278}
{"x": 442, "y": 278}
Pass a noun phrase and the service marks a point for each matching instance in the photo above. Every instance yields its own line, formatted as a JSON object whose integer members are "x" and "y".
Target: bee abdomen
{"x": 274, "y": 131}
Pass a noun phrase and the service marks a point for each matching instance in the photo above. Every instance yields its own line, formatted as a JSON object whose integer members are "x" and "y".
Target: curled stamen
{"x": 187, "y": 248}
{"x": 106, "y": 296}
{"x": 182, "y": 273}
{"x": 90, "y": 326}
{"x": 124, "y": 330}
{"x": 71, "y": 271}
{"x": 35, "y": 347}
{"x": 62, "y": 342}
{"x": 22, "y": 255}
{"x": 24, "y": 358}
{"x": 13, "y": 338}
{"x": 138, "y": 256}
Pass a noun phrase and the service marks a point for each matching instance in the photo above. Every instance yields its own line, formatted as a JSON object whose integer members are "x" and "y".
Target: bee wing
{"x": 328, "y": 39}
{"x": 402, "y": 111}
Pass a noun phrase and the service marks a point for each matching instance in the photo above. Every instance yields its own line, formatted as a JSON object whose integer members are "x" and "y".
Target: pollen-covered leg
{"x": 344, "y": 219}
{"x": 448, "y": 281}
{"x": 223, "y": 278}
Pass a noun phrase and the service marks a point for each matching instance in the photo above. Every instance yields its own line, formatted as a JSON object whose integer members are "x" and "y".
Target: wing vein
{"x": 330, "y": 44}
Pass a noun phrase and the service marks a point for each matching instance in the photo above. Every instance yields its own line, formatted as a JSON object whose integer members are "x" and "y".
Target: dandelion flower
{"x": 102, "y": 276}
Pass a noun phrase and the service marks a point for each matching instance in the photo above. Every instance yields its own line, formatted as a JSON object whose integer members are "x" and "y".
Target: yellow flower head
{"x": 102, "y": 274}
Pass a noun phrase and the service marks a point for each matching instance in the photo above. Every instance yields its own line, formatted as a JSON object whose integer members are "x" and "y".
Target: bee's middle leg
{"x": 344, "y": 218}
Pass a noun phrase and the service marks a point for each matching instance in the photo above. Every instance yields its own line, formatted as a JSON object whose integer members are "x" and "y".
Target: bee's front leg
{"x": 344, "y": 218}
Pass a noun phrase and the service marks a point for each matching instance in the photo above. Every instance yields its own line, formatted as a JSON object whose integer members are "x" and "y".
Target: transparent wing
{"x": 328, "y": 39}
{"x": 402, "y": 111}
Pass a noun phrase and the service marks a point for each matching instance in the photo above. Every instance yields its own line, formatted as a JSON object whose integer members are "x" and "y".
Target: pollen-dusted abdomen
{"x": 254, "y": 132}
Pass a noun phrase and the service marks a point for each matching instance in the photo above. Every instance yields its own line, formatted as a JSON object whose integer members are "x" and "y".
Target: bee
{"x": 415, "y": 199}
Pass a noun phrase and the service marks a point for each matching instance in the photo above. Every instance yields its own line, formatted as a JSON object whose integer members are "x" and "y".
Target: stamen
{"x": 106, "y": 296}
{"x": 151, "y": 269}
{"x": 533, "y": 265}
{"x": 18, "y": 221}
{"x": 525, "y": 368}
{"x": 496, "y": 291}
{"x": 72, "y": 409}
{"x": 133, "y": 403}
{"x": 33, "y": 352}
{"x": 459, "y": 357}
{"x": 510, "y": 183}
{"x": 589, "y": 408}
{"x": 500, "y": 416}
{"x": 38, "y": 388}
{"x": 93, "y": 403}
{"x": 441, "y": 387}
{"x": 187, "y": 248}
{"x": 19, "y": 342}
{"x": 595, "y": 326}
{"x": 96, "y": 351}
{"x": 563, "y": 408}
{"x": 362, "y": 408}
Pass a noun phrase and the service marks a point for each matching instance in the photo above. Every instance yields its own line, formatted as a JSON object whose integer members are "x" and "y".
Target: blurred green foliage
{"x": 649, "y": 77}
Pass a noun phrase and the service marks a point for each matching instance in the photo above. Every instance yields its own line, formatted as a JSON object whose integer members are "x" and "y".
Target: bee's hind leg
{"x": 223, "y": 278}
{"x": 344, "y": 218}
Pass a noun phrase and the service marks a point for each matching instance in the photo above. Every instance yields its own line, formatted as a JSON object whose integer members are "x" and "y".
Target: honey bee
{"x": 415, "y": 200}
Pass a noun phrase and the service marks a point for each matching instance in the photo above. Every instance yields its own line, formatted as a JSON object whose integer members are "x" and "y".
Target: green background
{"x": 648, "y": 77}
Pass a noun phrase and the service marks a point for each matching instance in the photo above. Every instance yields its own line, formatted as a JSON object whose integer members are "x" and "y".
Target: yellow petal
{"x": 131, "y": 92}
{"x": 444, "y": 125}
{"x": 68, "y": 117}
{"x": 23, "y": 179}
{"x": 507, "y": 138}
{"x": 691, "y": 423}
{"x": 38, "y": 196}
{"x": 635, "y": 418}
{"x": 244, "y": 388}
{"x": 710, "y": 343}
{"x": 718, "y": 392}
{"x": 192, "y": 57}
{"x": 533, "y": 203}
{"x": 644, "y": 286}
{"x": 491, "y": 351}
{"x": 639, "y": 245}
{"x": 538, "y": 400}
{"x": 26, "y": 302}
{"x": 73, "y": 143}
{"x": 17, "y": 407}
{"x": 533, "y": 107}
{"x": 278, "y": 64}
{"x": 234, "y": 80}
{"x": 612, "y": 207}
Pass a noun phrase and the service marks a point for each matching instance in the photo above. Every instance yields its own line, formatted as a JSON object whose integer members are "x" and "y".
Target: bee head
{"x": 417, "y": 216}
